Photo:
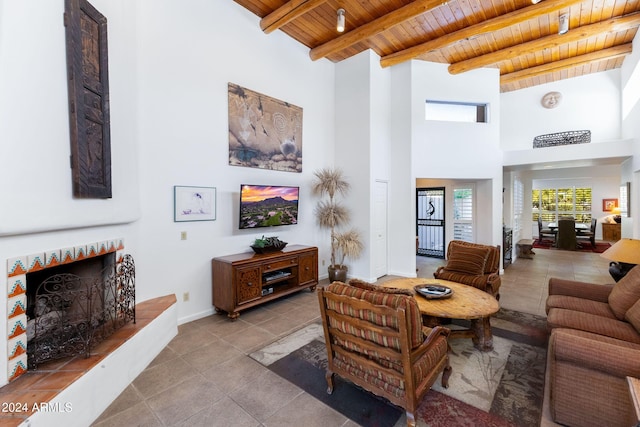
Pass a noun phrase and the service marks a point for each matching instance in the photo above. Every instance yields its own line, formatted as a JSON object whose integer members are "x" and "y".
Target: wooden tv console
{"x": 242, "y": 281}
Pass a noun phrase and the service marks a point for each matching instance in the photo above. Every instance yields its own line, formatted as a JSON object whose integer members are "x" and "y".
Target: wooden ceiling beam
{"x": 287, "y": 13}
{"x": 374, "y": 27}
{"x": 600, "y": 55}
{"x": 490, "y": 25}
{"x": 581, "y": 33}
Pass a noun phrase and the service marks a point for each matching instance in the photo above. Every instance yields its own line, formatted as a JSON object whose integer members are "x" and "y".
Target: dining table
{"x": 579, "y": 226}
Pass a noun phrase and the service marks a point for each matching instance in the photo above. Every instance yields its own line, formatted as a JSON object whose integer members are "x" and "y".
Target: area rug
{"x": 503, "y": 387}
{"x": 586, "y": 247}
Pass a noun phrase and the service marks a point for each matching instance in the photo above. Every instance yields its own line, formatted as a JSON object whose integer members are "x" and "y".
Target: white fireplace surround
{"x": 136, "y": 353}
{"x": 17, "y": 269}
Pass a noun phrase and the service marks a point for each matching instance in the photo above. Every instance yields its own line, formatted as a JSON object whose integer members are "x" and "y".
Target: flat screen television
{"x": 268, "y": 205}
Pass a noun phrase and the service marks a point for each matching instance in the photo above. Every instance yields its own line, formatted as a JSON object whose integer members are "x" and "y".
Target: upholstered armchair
{"x": 375, "y": 339}
{"x": 472, "y": 264}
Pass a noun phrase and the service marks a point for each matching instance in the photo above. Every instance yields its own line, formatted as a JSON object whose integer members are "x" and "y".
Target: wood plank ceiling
{"x": 517, "y": 36}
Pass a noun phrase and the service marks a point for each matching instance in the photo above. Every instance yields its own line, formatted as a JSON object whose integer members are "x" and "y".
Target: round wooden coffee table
{"x": 466, "y": 302}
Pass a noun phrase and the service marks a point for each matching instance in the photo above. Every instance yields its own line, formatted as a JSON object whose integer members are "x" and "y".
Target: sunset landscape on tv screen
{"x": 268, "y": 205}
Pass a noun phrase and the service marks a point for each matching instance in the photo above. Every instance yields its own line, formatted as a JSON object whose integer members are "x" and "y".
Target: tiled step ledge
{"x": 75, "y": 391}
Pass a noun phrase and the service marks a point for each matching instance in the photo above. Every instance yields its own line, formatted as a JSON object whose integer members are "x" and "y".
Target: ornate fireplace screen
{"x": 562, "y": 138}
{"x": 72, "y": 314}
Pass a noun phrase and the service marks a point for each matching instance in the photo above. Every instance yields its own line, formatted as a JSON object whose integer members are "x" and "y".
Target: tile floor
{"x": 204, "y": 377}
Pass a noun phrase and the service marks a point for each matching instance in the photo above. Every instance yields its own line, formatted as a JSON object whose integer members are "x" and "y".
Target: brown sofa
{"x": 472, "y": 264}
{"x": 594, "y": 345}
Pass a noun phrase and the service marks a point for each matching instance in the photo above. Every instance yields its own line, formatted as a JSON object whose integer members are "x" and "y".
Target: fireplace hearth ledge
{"x": 115, "y": 371}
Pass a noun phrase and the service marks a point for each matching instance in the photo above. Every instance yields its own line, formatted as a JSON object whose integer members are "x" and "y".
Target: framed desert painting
{"x": 264, "y": 132}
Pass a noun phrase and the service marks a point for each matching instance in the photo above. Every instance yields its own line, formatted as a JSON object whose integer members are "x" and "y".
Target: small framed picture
{"x": 609, "y": 205}
{"x": 194, "y": 203}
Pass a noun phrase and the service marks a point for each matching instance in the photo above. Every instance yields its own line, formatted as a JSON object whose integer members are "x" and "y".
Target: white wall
{"x": 35, "y": 173}
{"x": 464, "y": 151}
{"x": 596, "y": 109}
{"x": 630, "y": 83}
{"x": 353, "y": 149}
{"x": 168, "y": 79}
{"x": 402, "y": 226}
{"x": 363, "y": 142}
{"x": 184, "y": 136}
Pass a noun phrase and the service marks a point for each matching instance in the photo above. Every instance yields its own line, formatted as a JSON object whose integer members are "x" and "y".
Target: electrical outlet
{"x": 183, "y": 235}
{"x": 323, "y": 263}
{"x": 185, "y": 297}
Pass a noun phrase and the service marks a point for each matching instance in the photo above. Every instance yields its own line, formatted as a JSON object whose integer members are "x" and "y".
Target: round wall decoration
{"x": 551, "y": 99}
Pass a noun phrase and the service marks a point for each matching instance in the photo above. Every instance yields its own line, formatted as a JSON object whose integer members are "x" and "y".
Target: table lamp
{"x": 616, "y": 215}
{"x": 625, "y": 254}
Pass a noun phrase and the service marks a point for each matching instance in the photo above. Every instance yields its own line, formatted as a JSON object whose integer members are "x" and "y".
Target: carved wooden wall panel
{"x": 87, "y": 62}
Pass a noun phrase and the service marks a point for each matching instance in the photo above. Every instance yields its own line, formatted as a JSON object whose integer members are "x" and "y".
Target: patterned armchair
{"x": 472, "y": 264}
{"x": 376, "y": 340}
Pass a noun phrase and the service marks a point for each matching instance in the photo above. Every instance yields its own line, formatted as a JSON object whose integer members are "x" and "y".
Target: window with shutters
{"x": 551, "y": 203}
{"x": 518, "y": 206}
{"x": 463, "y": 205}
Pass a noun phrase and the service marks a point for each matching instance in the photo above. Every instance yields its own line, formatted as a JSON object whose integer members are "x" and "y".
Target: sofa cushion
{"x": 633, "y": 315}
{"x": 580, "y": 304}
{"x": 379, "y": 297}
{"x": 468, "y": 259}
{"x": 625, "y": 293}
{"x": 563, "y": 318}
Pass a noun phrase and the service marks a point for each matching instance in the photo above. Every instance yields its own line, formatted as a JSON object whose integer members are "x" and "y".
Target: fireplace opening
{"x": 72, "y": 307}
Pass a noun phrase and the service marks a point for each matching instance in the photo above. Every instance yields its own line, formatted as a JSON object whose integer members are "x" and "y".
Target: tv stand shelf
{"x": 245, "y": 280}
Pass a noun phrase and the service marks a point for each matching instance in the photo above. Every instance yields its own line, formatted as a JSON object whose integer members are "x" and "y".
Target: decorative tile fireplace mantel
{"x": 17, "y": 269}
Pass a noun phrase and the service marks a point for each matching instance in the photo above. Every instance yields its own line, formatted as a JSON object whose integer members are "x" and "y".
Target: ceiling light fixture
{"x": 535, "y": 1}
{"x": 563, "y": 27}
{"x": 341, "y": 20}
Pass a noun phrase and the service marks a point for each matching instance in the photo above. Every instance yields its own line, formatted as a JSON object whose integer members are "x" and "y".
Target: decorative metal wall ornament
{"x": 562, "y": 138}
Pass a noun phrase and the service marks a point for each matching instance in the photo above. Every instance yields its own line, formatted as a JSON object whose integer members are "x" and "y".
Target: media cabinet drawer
{"x": 278, "y": 264}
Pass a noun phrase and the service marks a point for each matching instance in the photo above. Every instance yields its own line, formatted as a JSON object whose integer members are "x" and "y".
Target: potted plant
{"x": 269, "y": 244}
{"x": 330, "y": 214}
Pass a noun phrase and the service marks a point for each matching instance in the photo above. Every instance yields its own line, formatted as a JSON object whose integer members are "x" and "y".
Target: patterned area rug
{"x": 503, "y": 387}
{"x": 586, "y": 246}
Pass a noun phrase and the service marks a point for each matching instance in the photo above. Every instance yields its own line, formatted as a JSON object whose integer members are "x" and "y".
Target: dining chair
{"x": 544, "y": 232}
{"x": 566, "y": 237}
{"x": 589, "y": 235}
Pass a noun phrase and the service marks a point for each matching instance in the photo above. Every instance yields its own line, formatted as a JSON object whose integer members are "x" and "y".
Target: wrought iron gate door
{"x": 430, "y": 221}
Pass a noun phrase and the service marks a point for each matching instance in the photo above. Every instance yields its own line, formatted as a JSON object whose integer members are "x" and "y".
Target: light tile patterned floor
{"x": 205, "y": 378}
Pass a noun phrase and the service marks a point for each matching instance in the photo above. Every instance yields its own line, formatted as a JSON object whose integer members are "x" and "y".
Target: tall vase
{"x": 337, "y": 273}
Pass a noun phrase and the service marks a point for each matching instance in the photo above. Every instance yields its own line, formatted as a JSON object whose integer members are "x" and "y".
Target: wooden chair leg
{"x": 411, "y": 419}
{"x": 329, "y": 377}
{"x": 445, "y": 375}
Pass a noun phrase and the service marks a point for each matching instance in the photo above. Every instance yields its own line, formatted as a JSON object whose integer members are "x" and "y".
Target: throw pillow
{"x": 468, "y": 259}
{"x": 377, "y": 296}
{"x": 633, "y": 315}
{"x": 361, "y": 284}
{"x": 625, "y": 293}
